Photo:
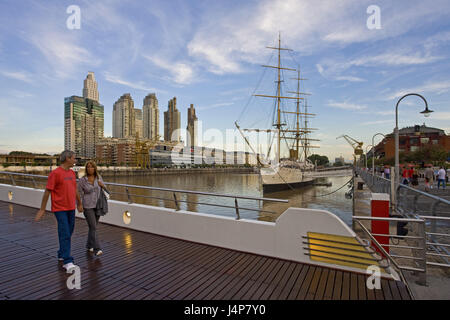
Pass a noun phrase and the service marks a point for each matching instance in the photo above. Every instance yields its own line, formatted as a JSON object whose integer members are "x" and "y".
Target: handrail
{"x": 384, "y": 252}
{"x": 165, "y": 189}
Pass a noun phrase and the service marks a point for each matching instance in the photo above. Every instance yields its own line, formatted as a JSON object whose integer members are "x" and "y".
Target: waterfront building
{"x": 412, "y": 139}
{"x": 124, "y": 122}
{"x": 90, "y": 89}
{"x": 172, "y": 121}
{"x": 138, "y": 122}
{"x": 116, "y": 152}
{"x": 192, "y": 127}
{"x": 150, "y": 117}
{"x": 83, "y": 125}
{"x": 28, "y": 158}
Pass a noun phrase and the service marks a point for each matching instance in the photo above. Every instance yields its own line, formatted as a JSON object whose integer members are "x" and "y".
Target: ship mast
{"x": 278, "y": 125}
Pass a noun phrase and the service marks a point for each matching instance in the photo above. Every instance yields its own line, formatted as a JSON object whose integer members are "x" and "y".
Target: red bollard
{"x": 380, "y": 208}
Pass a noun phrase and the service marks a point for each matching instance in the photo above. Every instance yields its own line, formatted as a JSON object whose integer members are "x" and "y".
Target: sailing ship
{"x": 290, "y": 172}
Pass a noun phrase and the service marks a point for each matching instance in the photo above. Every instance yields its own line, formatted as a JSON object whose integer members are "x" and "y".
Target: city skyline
{"x": 212, "y": 58}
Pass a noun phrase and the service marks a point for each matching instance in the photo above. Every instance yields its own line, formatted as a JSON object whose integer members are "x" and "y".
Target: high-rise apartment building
{"x": 138, "y": 122}
{"x": 124, "y": 121}
{"x": 90, "y": 89}
{"x": 172, "y": 122}
{"x": 191, "y": 127}
{"x": 151, "y": 117}
{"x": 83, "y": 125}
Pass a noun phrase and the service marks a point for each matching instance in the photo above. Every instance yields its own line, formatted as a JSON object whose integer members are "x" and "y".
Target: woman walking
{"x": 89, "y": 187}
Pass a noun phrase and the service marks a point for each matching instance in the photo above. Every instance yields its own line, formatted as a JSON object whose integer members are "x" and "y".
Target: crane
{"x": 356, "y": 145}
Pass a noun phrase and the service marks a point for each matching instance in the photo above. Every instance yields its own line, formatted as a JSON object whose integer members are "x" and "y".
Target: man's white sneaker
{"x": 69, "y": 266}
{"x": 99, "y": 253}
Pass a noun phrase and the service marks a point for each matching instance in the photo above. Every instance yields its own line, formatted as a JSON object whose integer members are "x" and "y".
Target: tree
{"x": 321, "y": 160}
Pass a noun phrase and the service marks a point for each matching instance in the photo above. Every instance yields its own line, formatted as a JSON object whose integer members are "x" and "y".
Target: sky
{"x": 210, "y": 54}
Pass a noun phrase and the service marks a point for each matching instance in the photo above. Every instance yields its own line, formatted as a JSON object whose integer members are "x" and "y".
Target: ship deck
{"x": 143, "y": 266}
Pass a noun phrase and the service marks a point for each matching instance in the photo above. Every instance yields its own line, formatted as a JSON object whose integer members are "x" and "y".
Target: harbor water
{"x": 314, "y": 197}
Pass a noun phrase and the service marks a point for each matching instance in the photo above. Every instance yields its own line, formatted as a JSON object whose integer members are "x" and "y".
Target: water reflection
{"x": 235, "y": 184}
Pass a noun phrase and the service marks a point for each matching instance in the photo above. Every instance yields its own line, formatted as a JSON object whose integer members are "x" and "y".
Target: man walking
{"x": 441, "y": 177}
{"x": 429, "y": 174}
{"x": 62, "y": 185}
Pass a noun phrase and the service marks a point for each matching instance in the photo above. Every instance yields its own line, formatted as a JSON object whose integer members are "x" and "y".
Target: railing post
{"x": 128, "y": 195}
{"x": 177, "y": 205}
{"x": 433, "y": 222}
{"x": 34, "y": 182}
{"x": 422, "y": 253}
{"x": 12, "y": 180}
{"x": 237, "y": 209}
{"x": 393, "y": 190}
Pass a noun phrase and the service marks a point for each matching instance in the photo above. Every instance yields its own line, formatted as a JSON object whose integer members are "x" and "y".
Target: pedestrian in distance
{"x": 429, "y": 174}
{"x": 410, "y": 173}
{"x": 428, "y": 186}
{"x": 405, "y": 175}
{"x": 62, "y": 186}
{"x": 387, "y": 172}
{"x": 90, "y": 187}
{"x": 441, "y": 178}
{"x": 415, "y": 178}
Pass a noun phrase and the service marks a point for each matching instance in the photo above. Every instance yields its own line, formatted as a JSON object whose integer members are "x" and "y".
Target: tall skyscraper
{"x": 150, "y": 117}
{"x": 138, "y": 122}
{"x": 172, "y": 122}
{"x": 83, "y": 125}
{"x": 90, "y": 90}
{"x": 124, "y": 125}
{"x": 191, "y": 127}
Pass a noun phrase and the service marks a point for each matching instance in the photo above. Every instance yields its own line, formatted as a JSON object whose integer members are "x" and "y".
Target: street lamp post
{"x": 366, "y": 153}
{"x": 425, "y": 112}
{"x": 373, "y": 152}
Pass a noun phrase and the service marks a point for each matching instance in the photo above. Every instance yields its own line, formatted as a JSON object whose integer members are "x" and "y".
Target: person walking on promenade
{"x": 405, "y": 176}
{"x": 429, "y": 174}
{"x": 387, "y": 172}
{"x": 415, "y": 178}
{"x": 410, "y": 173}
{"x": 62, "y": 186}
{"x": 441, "y": 177}
{"x": 89, "y": 187}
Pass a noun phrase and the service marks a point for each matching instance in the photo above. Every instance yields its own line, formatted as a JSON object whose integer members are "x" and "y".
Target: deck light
{"x": 126, "y": 217}
{"x": 10, "y": 195}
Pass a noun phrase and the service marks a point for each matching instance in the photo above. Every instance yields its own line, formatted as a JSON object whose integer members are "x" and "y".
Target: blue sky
{"x": 209, "y": 53}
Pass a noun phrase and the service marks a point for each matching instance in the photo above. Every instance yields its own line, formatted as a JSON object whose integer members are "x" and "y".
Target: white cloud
{"x": 438, "y": 87}
{"x": 17, "y": 75}
{"x": 350, "y": 78}
{"x": 332, "y": 68}
{"x": 346, "y": 105}
{"x": 216, "y": 105}
{"x": 391, "y": 121}
{"x": 181, "y": 72}
{"x": 140, "y": 85}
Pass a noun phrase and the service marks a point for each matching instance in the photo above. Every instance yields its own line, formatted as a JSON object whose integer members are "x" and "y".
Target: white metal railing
{"x": 430, "y": 215}
{"x": 13, "y": 178}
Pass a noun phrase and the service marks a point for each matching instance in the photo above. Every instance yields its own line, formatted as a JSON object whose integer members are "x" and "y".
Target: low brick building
{"x": 412, "y": 139}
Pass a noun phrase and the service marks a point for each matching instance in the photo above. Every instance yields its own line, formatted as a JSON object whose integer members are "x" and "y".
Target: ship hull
{"x": 283, "y": 178}
{"x": 283, "y": 186}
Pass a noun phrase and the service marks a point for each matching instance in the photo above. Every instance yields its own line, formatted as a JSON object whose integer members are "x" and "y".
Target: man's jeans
{"x": 443, "y": 183}
{"x": 66, "y": 224}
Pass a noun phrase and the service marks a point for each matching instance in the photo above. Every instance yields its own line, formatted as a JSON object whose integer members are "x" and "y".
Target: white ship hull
{"x": 283, "y": 178}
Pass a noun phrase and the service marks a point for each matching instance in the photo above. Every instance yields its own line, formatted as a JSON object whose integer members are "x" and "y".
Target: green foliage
{"x": 321, "y": 160}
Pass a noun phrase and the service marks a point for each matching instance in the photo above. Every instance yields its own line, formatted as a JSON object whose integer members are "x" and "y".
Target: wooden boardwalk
{"x": 139, "y": 265}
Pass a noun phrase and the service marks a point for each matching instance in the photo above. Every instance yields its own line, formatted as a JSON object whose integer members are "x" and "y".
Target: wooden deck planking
{"x": 138, "y": 265}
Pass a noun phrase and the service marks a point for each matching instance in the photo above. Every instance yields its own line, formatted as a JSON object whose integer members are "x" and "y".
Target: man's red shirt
{"x": 63, "y": 185}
